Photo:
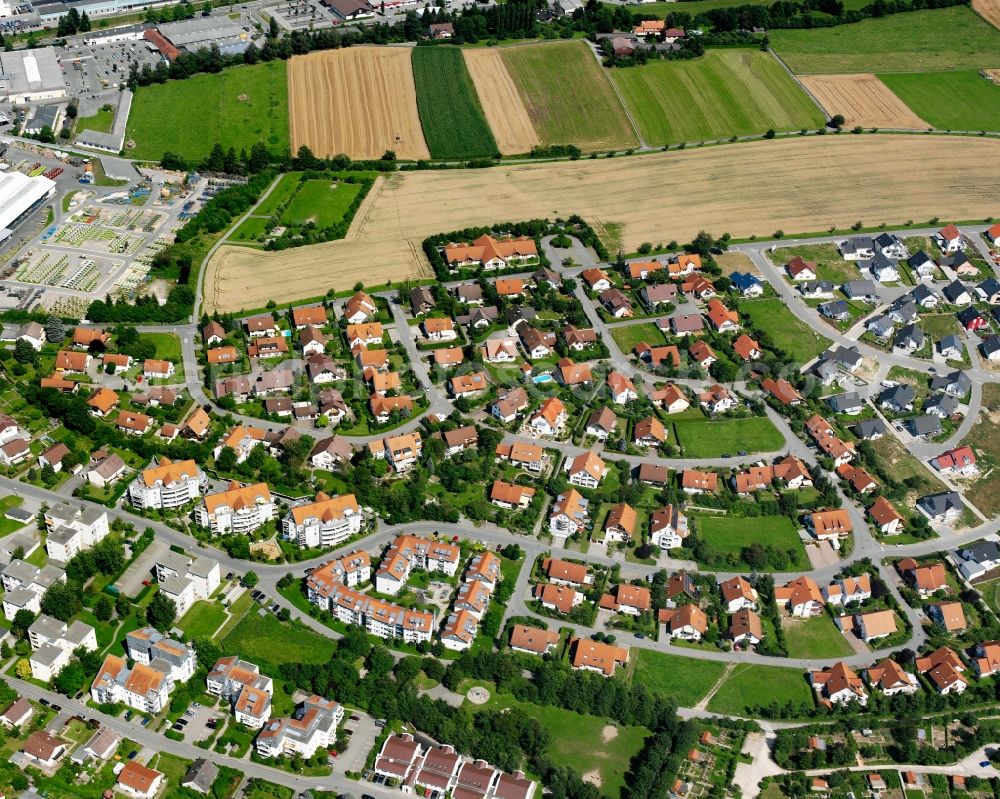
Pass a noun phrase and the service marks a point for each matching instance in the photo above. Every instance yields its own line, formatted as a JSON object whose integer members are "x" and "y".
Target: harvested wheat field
{"x": 355, "y": 100}
{"x": 988, "y": 10}
{"x": 862, "y": 100}
{"x": 501, "y": 103}
{"x": 992, "y": 74}
{"x": 796, "y": 185}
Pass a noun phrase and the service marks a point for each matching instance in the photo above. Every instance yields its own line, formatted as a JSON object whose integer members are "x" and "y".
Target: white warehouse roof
{"x": 18, "y": 193}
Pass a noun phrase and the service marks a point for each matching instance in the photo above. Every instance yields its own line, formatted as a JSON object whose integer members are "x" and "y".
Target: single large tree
{"x": 161, "y": 611}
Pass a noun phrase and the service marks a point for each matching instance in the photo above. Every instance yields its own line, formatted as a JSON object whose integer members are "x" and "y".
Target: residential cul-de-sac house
{"x": 898, "y": 399}
{"x": 959, "y": 461}
{"x": 955, "y": 293}
{"x": 956, "y": 383}
{"x": 945, "y": 507}
{"x": 951, "y": 348}
{"x": 816, "y": 289}
{"x": 326, "y": 522}
{"x": 924, "y": 427}
{"x": 167, "y": 485}
{"x": 941, "y": 405}
{"x": 882, "y": 269}
{"x": 881, "y": 327}
{"x": 238, "y": 510}
{"x": 861, "y": 290}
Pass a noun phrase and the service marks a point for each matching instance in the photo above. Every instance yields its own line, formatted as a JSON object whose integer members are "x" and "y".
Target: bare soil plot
{"x": 796, "y": 185}
{"x": 862, "y": 100}
{"x": 501, "y": 103}
{"x": 356, "y": 100}
{"x": 988, "y": 10}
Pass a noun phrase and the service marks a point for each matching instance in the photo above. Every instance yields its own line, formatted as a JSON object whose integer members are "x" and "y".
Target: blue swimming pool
{"x": 542, "y": 379}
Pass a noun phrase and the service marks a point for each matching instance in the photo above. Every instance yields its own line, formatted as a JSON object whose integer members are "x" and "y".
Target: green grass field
{"x": 188, "y": 117}
{"x": 703, "y": 438}
{"x": 794, "y": 337}
{"x": 202, "y": 620}
{"x": 817, "y": 637}
{"x": 249, "y": 230}
{"x": 284, "y": 189}
{"x": 732, "y": 533}
{"x": 685, "y": 680}
{"x": 962, "y": 100}
{"x": 168, "y": 345}
{"x": 727, "y": 92}
{"x": 627, "y": 336}
{"x": 450, "y": 113}
{"x": 8, "y": 526}
{"x": 577, "y": 742}
{"x": 324, "y": 202}
{"x": 101, "y": 121}
{"x": 662, "y": 9}
{"x": 568, "y": 96}
{"x": 906, "y": 42}
{"x": 750, "y": 686}
{"x": 265, "y": 639}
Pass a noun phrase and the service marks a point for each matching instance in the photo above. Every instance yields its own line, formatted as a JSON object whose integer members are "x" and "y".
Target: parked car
{"x": 132, "y": 754}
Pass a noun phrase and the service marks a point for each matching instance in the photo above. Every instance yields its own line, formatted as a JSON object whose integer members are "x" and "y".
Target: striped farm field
{"x": 960, "y": 100}
{"x": 569, "y": 98}
{"x": 727, "y": 92}
{"x": 944, "y": 38}
{"x": 356, "y": 100}
{"x": 988, "y": 10}
{"x": 450, "y": 113}
{"x": 862, "y": 100}
{"x": 501, "y": 103}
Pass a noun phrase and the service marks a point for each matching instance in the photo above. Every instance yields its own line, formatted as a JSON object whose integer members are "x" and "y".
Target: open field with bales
{"x": 725, "y": 93}
{"x": 237, "y": 107}
{"x": 862, "y": 100}
{"x": 500, "y": 101}
{"x": 569, "y": 97}
{"x": 962, "y": 100}
{"x": 760, "y": 196}
{"x": 908, "y": 42}
{"x": 452, "y": 119}
{"x": 357, "y": 100}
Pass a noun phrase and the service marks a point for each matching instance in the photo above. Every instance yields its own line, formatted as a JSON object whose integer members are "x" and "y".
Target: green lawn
{"x": 962, "y": 100}
{"x": 794, "y": 337}
{"x": 287, "y": 184}
{"x": 262, "y": 638}
{"x": 8, "y": 526}
{"x": 450, "y": 114}
{"x": 906, "y": 42}
{"x": 730, "y": 534}
{"x": 685, "y": 680}
{"x": 751, "y": 686}
{"x": 727, "y": 92}
{"x": 324, "y": 202}
{"x": 627, "y": 336}
{"x": 174, "y": 767}
{"x": 249, "y": 230}
{"x": 237, "y": 107}
{"x": 829, "y": 264}
{"x": 577, "y": 742}
{"x": 568, "y": 96}
{"x": 703, "y": 438}
{"x": 168, "y": 346}
{"x": 268, "y": 790}
{"x": 202, "y": 620}
{"x": 693, "y": 7}
{"x": 102, "y": 121}
{"x": 817, "y": 637}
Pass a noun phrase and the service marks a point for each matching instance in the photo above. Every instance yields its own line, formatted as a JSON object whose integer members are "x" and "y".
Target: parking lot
{"x": 196, "y": 727}
{"x": 364, "y": 733}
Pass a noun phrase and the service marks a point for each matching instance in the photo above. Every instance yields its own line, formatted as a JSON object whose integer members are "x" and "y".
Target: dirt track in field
{"x": 795, "y": 185}
{"x": 862, "y": 100}
{"x": 988, "y": 10}
{"x": 501, "y": 102}
{"x": 355, "y": 100}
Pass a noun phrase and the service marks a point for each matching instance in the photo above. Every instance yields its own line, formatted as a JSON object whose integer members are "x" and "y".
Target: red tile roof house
{"x": 800, "y": 269}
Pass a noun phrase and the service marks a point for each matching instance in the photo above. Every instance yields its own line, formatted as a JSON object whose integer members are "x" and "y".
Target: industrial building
{"x": 31, "y": 76}
{"x": 190, "y": 35}
{"x": 50, "y": 12}
{"x": 114, "y": 141}
{"x": 19, "y": 196}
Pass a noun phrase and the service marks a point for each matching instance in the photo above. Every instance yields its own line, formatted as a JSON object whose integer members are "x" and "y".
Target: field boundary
{"x": 621, "y": 99}
{"x": 801, "y": 85}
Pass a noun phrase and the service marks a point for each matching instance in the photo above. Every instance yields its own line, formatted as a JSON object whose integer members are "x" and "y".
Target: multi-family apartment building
{"x": 72, "y": 528}
{"x": 313, "y": 726}
{"x": 242, "y": 685}
{"x": 408, "y": 552}
{"x": 185, "y": 580}
{"x": 239, "y": 510}
{"x": 384, "y": 619}
{"x": 327, "y": 522}
{"x": 24, "y": 583}
{"x": 53, "y": 643}
{"x": 167, "y": 485}
{"x": 141, "y": 687}
{"x": 401, "y": 451}
{"x": 149, "y": 647}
